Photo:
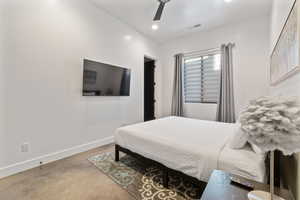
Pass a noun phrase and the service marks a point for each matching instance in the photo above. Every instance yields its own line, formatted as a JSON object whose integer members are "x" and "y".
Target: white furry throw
{"x": 273, "y": 123}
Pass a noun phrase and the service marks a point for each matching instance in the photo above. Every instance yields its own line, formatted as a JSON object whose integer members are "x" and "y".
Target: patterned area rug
{"x": 144, "y": 182}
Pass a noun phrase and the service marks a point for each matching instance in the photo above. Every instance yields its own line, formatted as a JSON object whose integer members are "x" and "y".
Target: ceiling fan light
{"x": 154, "y": 27}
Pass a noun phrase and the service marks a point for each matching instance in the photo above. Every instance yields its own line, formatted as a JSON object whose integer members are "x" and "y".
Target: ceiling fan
{"x": 160, "y": 9}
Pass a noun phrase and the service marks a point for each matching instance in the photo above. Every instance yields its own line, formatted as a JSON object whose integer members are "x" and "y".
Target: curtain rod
{"x": 205, "y": 50}
{"x": 201, "y": 51}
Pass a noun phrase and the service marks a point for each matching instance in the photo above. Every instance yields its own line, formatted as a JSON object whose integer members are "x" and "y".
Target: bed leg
{"x": 117, "y": 154}
{"x": 166, "y": 178}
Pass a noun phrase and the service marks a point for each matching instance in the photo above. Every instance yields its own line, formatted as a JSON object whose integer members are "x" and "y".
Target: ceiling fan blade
{"x": 159, "y": 11}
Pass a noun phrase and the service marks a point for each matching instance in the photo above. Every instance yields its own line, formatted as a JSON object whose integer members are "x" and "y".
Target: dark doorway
{"x": 149, "y": 89}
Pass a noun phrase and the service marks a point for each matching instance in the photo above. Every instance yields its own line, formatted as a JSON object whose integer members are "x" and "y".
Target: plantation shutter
{"x": 202, "y": 78}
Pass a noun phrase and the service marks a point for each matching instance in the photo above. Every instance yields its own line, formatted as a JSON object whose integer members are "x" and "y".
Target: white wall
{"x": 251, "y": 58}
{"x": 289, "y": 87}
{"x": 2, "y": 82}
{"x": 44, "y": 46}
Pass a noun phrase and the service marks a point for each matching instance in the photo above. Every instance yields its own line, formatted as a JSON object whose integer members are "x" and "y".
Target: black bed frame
{"x": 167, "y": 171}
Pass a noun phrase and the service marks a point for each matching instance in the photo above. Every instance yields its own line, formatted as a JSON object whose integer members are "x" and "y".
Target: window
{"x": 202, "y": 78}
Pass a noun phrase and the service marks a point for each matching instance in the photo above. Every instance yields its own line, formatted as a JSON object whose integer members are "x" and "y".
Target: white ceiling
{"x": 180, "y": 15}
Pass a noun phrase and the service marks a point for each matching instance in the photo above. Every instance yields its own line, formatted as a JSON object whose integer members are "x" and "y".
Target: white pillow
{"x": 239, "y": 139}
{"x": 256, "y": 149}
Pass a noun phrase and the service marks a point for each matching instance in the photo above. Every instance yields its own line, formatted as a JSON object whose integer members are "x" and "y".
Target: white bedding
{"x": 194, "y": 147}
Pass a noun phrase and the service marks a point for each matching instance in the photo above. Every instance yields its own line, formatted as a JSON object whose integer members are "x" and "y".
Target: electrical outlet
{"x": 25, "y": 147}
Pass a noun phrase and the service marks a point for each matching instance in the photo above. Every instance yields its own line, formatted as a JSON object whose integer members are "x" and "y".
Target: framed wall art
{"x": 286, "y": 54}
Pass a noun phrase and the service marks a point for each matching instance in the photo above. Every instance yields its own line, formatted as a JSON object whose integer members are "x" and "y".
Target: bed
{"x": 193, "y": 147}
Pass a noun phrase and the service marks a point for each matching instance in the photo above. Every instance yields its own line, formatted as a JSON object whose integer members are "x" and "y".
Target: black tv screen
{"x": 100, "y": 79}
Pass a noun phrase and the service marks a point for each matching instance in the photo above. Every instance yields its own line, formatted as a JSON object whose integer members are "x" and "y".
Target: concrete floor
{"x": 73, "y": 178}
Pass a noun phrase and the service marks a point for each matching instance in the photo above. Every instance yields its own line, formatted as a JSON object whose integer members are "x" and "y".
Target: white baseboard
{"x": 29, "y": 164}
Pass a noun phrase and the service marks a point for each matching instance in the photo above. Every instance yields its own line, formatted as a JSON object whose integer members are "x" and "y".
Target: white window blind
{"x": 202, "y": 78}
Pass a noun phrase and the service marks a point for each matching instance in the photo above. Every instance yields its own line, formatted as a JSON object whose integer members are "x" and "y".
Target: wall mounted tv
{"x": 100, "y": 79}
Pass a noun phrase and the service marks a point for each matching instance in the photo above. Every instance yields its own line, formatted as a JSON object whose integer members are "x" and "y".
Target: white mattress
{"x": 194, "y": 147}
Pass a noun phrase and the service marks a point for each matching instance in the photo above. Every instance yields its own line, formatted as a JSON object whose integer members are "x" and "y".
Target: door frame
{"x": 143, "y": 95}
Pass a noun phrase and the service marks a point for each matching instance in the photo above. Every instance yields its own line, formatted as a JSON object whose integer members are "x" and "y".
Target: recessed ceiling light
{"x": 154, "y": 27}
{"x": 228, "y": 1}
{"x": 127, "y": 37}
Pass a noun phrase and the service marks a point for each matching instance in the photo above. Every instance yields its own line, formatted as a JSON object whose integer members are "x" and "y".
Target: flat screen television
{"x": 100, "y": 79}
